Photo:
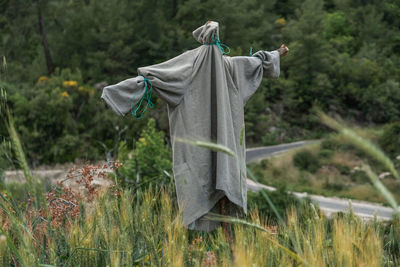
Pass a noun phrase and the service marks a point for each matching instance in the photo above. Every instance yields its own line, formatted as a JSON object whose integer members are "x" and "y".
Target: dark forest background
{"x": 57, "y": 56}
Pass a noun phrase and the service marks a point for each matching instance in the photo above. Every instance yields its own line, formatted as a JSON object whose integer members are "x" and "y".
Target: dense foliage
{"x": 390, "y": 140}
{"x": 150, "y": 161}
{"x": 344, "y": 56}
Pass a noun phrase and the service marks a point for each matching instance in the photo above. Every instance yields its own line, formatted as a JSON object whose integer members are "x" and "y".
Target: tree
{"x": 310, "y": 60}
{"x": 42, "y": 28}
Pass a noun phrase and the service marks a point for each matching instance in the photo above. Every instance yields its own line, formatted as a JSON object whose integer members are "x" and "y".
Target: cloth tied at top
{"x": 205, "y": 92}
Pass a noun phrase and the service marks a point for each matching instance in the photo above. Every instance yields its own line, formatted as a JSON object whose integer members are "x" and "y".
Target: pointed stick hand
{"x": 283, "y": 50}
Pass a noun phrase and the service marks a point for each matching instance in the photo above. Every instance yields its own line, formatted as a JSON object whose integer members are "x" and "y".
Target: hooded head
{"x": 204, "y": 34}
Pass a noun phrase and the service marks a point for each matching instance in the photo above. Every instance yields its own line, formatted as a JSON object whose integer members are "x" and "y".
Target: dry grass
{"x": 142, "y": 227}
{"x": 328, "y": 180}
{"x": 346, "y": 159}
{"x": 145, "y": 229}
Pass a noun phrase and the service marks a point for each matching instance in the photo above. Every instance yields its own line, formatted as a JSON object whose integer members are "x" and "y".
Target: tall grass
{"x": 130, "y": 230}
{"x": 369, "y": 148}
{"x": 144, "y": 228}
{"x": 128, "y": 227}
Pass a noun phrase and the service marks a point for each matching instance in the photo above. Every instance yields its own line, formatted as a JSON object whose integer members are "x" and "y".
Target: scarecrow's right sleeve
{"x": 168, "y": 80}
{"x": 249, "y": 71}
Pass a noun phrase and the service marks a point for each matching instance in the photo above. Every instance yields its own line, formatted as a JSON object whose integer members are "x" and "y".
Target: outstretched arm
{"x": 121, "y": 96}
{"x": 248, "y": 72}
{"x": 168, "y": 80}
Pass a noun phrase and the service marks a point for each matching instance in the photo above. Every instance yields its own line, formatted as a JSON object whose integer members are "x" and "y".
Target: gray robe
{"x": 205, "y": 93}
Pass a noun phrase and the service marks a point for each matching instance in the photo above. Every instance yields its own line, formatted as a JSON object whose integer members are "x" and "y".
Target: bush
{"x": 390, "y": 139}
{"x": 358, "y": 176}
{"x": 281, "y": 199}
{"x": 150, "y": 158}
{"x": 334, "y": 186}
{"x": 325, "y": 154}
{"x": 343, "y": 169}
{"x": 264, "y": 163}
{"x": 305, "y": 160}
{"x": 332, "y": 144}
{"x": 60, "y": 119}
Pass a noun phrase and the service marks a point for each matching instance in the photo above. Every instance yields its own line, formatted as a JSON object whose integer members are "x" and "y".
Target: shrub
{"x": 150, "y": 158}
{"x": 60, "y": 119}
{"x": 358, "y": 176}
{"x": 334, "y": 186}
{"x": 264, "y": 163}
{"x": 390, "y": 139}
{"x": 325, "y": 153}
{"x": 305, "y": 160}
{"x": 281, "y": 199}
{"x": 331, "y": 144}
{"x": 344, "y": 170}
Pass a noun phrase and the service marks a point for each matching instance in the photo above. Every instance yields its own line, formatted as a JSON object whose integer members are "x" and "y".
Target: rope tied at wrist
{"x": 146, "y": 96}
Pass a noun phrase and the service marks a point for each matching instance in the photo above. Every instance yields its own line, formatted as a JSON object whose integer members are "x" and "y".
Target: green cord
{"x": 146, "y": 96}
{"x": 220, "y": 45}
{"x": 251, "y": 54}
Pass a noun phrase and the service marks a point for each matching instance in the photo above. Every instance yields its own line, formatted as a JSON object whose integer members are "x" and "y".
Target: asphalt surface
{"x": 329, "y": 205}
{"x": 259, "y": 153}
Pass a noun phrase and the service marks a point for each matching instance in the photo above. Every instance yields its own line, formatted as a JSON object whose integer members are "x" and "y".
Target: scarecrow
{"x": 206, "y": 92}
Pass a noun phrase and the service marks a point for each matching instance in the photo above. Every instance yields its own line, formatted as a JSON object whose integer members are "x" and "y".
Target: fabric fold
{"x": 121, "y": 96}
{"x": 205, "y": 34}
{"x": 270, "y": 63}
{"x": 205, "y": 93}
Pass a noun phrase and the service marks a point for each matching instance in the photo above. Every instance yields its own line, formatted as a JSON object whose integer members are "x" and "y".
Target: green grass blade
{"x": 362, "y": 143}
{"x": 381, "y": 187}
{"x": 222, "y": 218}
{"x": 266, "y": 197}
{"x": 13, "y": 248}
{"x": 277, "y": 214}
{"x": 242, "y": 134}
{"x": 209, "y": 145}
{"x": 17, "y": 146}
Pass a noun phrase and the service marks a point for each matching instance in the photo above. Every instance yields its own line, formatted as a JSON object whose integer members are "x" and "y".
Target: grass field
{"x": 121, "y": 227}
{"x": 138, "y": 224}
{"x": 328, "y": 168}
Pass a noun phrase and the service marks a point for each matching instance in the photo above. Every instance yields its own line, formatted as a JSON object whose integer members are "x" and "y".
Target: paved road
{"x": 327, "y": 205}
{"x": 258, "y": 153}
{"x": 330, "y": 205}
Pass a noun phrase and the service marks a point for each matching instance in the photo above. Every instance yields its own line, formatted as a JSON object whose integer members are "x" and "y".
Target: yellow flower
{"x": 65, "y": 94}
{"x": 142, "y": 140}
{"x": 280, "y": 21}
{"x": 42, "y": 79}
{"x": 70, "y": 83}
{"x": 81, "y": 88}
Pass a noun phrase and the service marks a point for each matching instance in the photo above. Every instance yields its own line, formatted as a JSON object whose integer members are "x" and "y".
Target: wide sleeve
{"x": 247, "y": 72}
{"x": 168, "y": 80}
{"x": 121, "y": 96}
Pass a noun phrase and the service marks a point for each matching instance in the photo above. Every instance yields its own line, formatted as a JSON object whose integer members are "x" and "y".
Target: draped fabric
{"x": 205, "y": 93}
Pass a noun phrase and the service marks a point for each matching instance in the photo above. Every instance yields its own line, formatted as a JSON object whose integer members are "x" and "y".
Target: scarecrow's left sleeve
{"x": 168, "y": 80}
{"x": 248, "y": 72}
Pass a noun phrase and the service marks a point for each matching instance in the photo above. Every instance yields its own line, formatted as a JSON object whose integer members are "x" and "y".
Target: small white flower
{"x": 383, "y": 175}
